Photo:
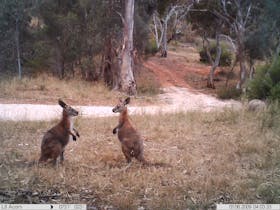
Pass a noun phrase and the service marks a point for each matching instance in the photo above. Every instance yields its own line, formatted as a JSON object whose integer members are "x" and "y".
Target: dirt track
{"x": 171, "y": 71}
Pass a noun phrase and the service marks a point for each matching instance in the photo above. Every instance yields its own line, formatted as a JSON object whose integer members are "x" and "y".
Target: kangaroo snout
{"x": 73, "y": 112}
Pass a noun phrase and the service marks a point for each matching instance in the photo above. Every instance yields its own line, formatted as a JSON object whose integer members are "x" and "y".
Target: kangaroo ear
{"x": 127, "y": 100}
{"x": 61, "y": 103}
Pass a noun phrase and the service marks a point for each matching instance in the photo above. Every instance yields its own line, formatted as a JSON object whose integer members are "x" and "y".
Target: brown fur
{"x": 56, "y": 139}
{"x": 131, "y": 141}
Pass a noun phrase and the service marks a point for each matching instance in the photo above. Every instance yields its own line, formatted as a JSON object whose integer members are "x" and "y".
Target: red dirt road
{"x": 181, "y": 68}
{"x": 172, "y": 71}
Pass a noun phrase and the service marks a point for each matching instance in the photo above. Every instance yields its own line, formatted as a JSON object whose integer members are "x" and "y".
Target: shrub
{"x": 40, "y": 56}
{"x": 266, "y": 83}
{"x": 148, "y": 87}
{"x": 146, "y": 82}
{"x": 274, "y": 70}
{"x": 270, "y": 117}
{"x": 275, "y": 92}
{"x": 268, "y": 192}
{"x": 229, "y": 93}
{"x": 226, "y": 55}
{"x": 151, "y": 47}
{"x": 260, "y": 86}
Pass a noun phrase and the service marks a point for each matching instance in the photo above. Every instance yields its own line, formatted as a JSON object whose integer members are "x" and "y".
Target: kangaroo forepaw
{"x": 74, "y": 138}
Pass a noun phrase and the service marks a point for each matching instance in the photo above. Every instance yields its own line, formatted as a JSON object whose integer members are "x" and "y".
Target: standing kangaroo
{"x": 56, "y": 139}
{"x": 131, "y": 141}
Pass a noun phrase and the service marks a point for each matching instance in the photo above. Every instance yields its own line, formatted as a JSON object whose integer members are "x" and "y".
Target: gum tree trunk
{"x": 164, "y": 44}
{"x": 241, "y": 58}
{"x": 127, "y": 82}
{"x": 215, "y": 64}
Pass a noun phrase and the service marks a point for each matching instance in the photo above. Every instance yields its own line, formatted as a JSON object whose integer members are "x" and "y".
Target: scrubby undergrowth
{"x": 266, "y": 83}
{"x": 46, "y": 89}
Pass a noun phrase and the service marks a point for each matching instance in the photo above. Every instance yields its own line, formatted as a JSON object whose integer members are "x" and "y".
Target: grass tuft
{"x": 46, "y": 89}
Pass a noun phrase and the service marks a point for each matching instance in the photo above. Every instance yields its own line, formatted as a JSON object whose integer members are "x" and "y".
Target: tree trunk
{"x": 156, "y": 31}
{"x": 240, "y": 36}
{"x": 62, "y": 69}
{"x": 164, "y": 44}
{"x": 240, "y": 19}
{"x": 110, "y": 62}
{"x": 252, "y": 69}
{"x": 128, "y": 84}
{"x": 59, "y": 62}
{"x": 231, "y": 71}
{"x": 18, "y": 48}
{"x": 110, "y": 66}
{"x": 214, "y": 64}
{"x": 241, "y": 58}
{"x": 157, "y": 27}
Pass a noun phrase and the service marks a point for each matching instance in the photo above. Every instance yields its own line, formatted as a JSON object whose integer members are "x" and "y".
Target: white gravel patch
{"x": 178, "y": 99}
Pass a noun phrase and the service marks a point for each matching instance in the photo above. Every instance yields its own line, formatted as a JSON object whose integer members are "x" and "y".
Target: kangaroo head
{"x": 121, "y": 105}
{"x": 68, "y": 109}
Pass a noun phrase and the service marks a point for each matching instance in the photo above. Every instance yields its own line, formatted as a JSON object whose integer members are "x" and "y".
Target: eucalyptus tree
{"x": 63, "y": 31}
{"x": 166, "y": 18}
{"x": 127, "y": 81}
{"x": 14, "y": 20}
{"x": 239, "y": 17}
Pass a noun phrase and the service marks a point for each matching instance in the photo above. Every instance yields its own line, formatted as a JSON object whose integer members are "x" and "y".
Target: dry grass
{"x": 147, "y": 83}
{"x": 207, "y": 158}
{"x": 47, "y": 89}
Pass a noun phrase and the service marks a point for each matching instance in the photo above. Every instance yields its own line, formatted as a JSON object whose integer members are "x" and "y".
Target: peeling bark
{"x": 127, "y": 82}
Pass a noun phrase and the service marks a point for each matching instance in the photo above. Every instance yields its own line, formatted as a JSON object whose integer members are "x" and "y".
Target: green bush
{"x": 260, "y": 86}
{"x": 151, "y": 47}
{"x": 266, "y": 84}
{"x": 275, "y": 92}
{"x": 226, "y": 55}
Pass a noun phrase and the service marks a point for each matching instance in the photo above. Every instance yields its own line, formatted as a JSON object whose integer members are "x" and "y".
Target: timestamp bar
{"x": 248, "y": 206}
{"x": 43, "y": 206}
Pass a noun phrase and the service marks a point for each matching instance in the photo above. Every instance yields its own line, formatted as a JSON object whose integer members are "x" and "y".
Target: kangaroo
{"x": 56, "y": 139}
{"x": 131, "y": 141}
